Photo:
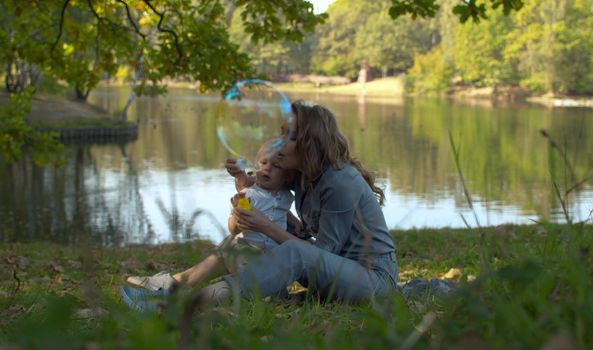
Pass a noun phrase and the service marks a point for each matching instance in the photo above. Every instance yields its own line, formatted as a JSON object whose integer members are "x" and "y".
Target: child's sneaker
{"x": 162, "y": 280}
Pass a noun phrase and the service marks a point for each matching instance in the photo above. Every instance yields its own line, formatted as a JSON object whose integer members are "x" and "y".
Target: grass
{"x": 536, "y": 293}
{"x": 388, "y": 87}
{"x": 80, "y": 122}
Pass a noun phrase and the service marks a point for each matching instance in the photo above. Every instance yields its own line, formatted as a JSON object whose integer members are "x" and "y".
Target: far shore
{"x": 392, "y": 89}
{"x": 56, "y": 110}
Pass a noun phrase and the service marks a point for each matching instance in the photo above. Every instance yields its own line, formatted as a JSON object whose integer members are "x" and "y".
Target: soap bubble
{"x": 251, "y": 113}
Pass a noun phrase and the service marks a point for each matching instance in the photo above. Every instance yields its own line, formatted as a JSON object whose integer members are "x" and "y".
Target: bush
{"x": 430, "y": 73}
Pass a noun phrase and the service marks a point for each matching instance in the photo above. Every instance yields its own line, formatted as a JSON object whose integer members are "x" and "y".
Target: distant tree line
{"x": 546, "y": 47}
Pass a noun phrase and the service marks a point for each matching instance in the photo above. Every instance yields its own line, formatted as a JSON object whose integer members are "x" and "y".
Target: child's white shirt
{"x": 275, "y": 207}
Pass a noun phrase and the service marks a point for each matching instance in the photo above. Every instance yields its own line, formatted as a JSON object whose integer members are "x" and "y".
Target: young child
{"x": 268, "y": 195}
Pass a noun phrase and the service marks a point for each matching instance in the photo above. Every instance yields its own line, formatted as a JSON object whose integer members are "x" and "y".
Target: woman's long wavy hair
{"x": 319, "y": 144}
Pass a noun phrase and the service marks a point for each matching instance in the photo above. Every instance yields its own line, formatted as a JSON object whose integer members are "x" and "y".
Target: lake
{"x": 170, "y": 185}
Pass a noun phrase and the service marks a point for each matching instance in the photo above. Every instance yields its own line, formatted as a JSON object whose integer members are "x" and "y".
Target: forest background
{"x": 546, "y": 47}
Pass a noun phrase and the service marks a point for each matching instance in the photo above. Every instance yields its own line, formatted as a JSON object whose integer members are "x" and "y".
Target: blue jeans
{"x": 332, "y": 276}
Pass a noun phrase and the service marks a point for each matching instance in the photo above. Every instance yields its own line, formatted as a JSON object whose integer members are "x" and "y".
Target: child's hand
{"x": 242, "y": 180}
{"x": 232, "y": 167}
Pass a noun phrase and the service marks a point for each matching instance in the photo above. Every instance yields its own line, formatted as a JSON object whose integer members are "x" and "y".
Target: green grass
{"x": 75, "y": 123}
{"x": 535, "y": 290}
{"x": 387, "y": 88}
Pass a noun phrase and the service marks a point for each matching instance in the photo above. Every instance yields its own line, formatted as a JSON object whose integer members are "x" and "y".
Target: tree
{"x": 272, "y": 59}
{"x": 478, "y": 52}
{"x": 551, "y": 46}
{"x": 79, "y": 41}
{"x": 391, "y": 45}
{"x": 335, "y": 53}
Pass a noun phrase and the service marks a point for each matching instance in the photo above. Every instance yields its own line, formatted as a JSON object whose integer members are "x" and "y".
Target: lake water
{"x": 170, "y": 184}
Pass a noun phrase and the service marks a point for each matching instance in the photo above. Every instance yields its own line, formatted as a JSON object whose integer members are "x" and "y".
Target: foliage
{"x": 545, "y": 47}
{"x": 478, "y": 52}
{"x": 14, "y": 133}
{"x": 81, "y": 41}
{"x": 272, "y": 60}
{"x": 336, "y": 53}
{"x": 466, "y": 9}
{"x": 430, "y": 73}
{"x": 391, "y": 45}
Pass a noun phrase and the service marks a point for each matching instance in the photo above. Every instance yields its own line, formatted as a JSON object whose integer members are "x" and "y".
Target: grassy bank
{"x": 392, "y": 87}
{"x": 58, "y": 112}
{"x": 532, "y": 289}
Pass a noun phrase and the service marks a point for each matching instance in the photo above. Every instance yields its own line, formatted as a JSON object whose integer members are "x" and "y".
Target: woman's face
{"x": 287, "y": 157}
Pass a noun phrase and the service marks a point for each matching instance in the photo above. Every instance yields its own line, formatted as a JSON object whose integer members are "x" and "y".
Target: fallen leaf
{"x": 57, "y": 279}
{"x": 453, "y": 273}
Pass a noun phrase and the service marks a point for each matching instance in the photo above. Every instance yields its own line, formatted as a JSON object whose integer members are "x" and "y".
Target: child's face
{"x": 269, "y": 176}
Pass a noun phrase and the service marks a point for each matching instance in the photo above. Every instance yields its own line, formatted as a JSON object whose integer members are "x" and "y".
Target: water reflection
{"x": 169, "y": 185}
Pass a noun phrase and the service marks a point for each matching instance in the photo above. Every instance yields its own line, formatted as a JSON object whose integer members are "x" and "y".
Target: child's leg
{"x": 231, "y": 254}
{"x": 210, "y": 267}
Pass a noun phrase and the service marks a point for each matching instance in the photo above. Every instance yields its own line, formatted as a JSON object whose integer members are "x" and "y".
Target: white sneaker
{"x": 162, "y": 280}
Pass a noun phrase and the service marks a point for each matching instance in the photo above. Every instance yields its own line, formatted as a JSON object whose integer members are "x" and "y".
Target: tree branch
{"x": 111, "y": 23}
{"x": 131, "y": 20}
{"x": 63, "y": 12}
{"x": 166, "y": 30}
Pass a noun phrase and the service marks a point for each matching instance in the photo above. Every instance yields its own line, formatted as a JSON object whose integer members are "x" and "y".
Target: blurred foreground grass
{"x": 534, "y": 292}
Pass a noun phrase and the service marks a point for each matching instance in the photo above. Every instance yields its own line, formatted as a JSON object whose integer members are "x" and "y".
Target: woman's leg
{"x": 333, "y": 276}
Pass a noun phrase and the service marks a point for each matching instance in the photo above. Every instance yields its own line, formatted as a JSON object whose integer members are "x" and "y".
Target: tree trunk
{"x": 20, "y": 75}
{"x": 81, "y": 94}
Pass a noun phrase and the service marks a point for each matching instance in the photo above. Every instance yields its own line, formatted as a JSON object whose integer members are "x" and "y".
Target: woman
{"x": 351, "y": 256}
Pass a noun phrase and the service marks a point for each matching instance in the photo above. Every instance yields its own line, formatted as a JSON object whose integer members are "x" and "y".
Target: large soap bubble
{"x": 251, "y": 113}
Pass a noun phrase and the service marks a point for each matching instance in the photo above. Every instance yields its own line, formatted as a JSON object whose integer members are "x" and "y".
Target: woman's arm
{"x": 255, "y": 220}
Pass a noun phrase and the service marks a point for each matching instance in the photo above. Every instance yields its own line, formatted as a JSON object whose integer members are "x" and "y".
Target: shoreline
{"x": 75, "y": 121}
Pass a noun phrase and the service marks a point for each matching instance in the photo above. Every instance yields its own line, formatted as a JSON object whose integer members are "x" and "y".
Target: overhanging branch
{"x": 113, "y": 24}
{"x": 131, "y": 20}
{"x": 166, "y": 30}
{"x": 63, "y": 12}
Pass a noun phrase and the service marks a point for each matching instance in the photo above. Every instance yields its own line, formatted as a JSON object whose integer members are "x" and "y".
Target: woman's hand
{"x": 296, "y": 226}
{"x": 252, "y": 220}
